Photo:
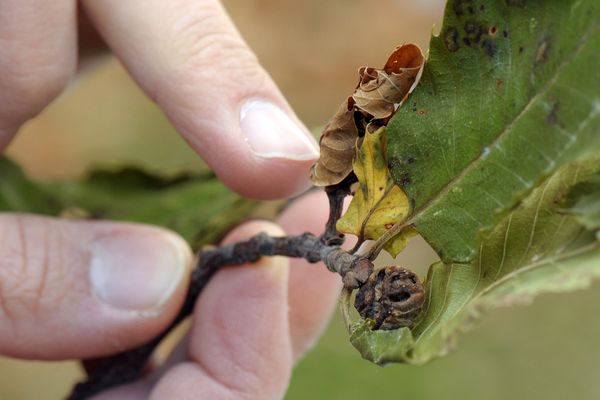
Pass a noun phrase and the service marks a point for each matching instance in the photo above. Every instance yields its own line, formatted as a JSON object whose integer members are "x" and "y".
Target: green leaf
{"x": 536, "y": 248}
{"x": 19, "y": 194}
{"x": 198, "y": 207}
{"x": 497, "y": 150}
{"x": 511, "y": 92}
{"x": 378, "y": 203}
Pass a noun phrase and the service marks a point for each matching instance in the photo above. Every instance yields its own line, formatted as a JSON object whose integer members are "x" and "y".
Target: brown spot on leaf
{"x": 406, "y": 180}
{"x": 451, "y": 39}
{"x": 488, "y": 47}
{"x": 499, "y": 83}
{"x": 541, "y": 55}
{"x": 521, "y": 49}
{"x": 552, "y": 117}
{"x": 389, "y": 226}
{"x": 421, "y": 111}
{"x": 492, "y": 30}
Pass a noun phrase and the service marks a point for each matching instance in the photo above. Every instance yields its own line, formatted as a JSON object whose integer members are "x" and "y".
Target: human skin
{"x": 81, "y": 289}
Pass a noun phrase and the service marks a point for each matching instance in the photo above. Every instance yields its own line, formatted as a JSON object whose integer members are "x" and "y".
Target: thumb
{"x": 83, "y": 289}
{"x": 188, "y": 57}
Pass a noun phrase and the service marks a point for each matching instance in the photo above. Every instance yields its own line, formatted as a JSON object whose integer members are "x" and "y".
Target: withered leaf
{"x": 377, "y": 96}
{"x": 337, "y": 143}
{"x": 380, "y": 91}
{"x": 378, "y": 203}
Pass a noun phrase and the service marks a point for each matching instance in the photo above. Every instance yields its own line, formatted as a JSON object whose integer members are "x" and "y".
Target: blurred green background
{"x": 313, "y": 49}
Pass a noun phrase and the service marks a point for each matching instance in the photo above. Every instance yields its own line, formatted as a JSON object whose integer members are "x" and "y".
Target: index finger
{"x": 190, "y": 59}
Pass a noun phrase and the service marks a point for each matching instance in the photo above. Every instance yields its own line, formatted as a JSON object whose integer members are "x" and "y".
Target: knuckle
{"x": 31, "y": 279}
{"x": 209, "y": 50}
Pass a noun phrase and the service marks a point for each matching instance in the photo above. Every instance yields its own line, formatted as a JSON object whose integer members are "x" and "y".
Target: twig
{"x": 128, "y": 366}
{"x": 387, "y": 298}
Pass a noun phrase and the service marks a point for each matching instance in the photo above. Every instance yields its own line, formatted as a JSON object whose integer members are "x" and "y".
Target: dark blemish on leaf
{"x": 521, "y": 49}
{"x": 505, "y": 33}
{"x": 388, "y": 226}
{"x": 380, "y": 188}
{"x": 393, "y": 163}
{"x": 552, "y": 117}
{"x": 471, "y": 10}
{"x": 541, "y": 54}
{"x": 451, "y": 39}
{"x": 474, "y": 31}
{"x": 406, "y": 180}
{"x": 558, "y": 197}
{"x": 410, "y": 160}
{"x": 471, "y": 27}
{"x": 482, "y": 7}
{"x": 492, "y": 30}
{"x": 414, "y": 107}
{"x": 489, "y": 47}
{"x": 457, "y": 7}
{"x": 467, "y": 41}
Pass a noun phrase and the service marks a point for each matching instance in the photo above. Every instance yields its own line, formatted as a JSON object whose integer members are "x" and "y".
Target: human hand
{"x": 250, "y": 324}
{"x": 87, "y": 289}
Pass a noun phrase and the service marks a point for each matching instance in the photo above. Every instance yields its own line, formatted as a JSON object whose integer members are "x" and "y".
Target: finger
{"x": 83, "y": 289}
{"x": 189, "y": 58}
{"x": 239, "y": 345}
{"x": 38, "y": 52}
{"x": 313, "y": 290}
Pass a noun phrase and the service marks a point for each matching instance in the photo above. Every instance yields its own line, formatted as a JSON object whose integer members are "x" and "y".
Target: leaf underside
{"x": 498, "y": 152}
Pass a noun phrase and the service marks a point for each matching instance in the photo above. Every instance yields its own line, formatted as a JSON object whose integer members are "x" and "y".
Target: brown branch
{"x": 392, "y": 297}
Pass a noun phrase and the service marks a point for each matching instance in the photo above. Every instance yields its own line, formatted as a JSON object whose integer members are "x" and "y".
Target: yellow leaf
{"x": 378, "y": 202}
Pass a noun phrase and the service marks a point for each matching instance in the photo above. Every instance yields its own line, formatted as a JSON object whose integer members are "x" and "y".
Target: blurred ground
{"x": 313, "y": 49}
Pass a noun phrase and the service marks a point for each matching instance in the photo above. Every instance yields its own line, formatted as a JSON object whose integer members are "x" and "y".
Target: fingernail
{"x": 137, "y": 271}
{"x": 277, "y": 267}
{"x": 271, "y": 133}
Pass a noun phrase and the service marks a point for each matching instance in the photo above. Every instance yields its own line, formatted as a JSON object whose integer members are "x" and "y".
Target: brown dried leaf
{"x": 378, "y": 95}
{"x": 338, "y": 144}
{"x": 380, "y": 91}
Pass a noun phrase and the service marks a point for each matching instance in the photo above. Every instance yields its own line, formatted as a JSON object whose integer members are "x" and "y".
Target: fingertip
{"x": 258, "y": 149}
{"x": 212, "y": 87}
{"x": 267, "y": 179}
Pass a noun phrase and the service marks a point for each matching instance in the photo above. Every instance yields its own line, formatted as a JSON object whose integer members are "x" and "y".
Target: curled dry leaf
{"x": 378, "y": 95}
{"x": 380, "y": 91}
{"x": 337, "y": 143}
